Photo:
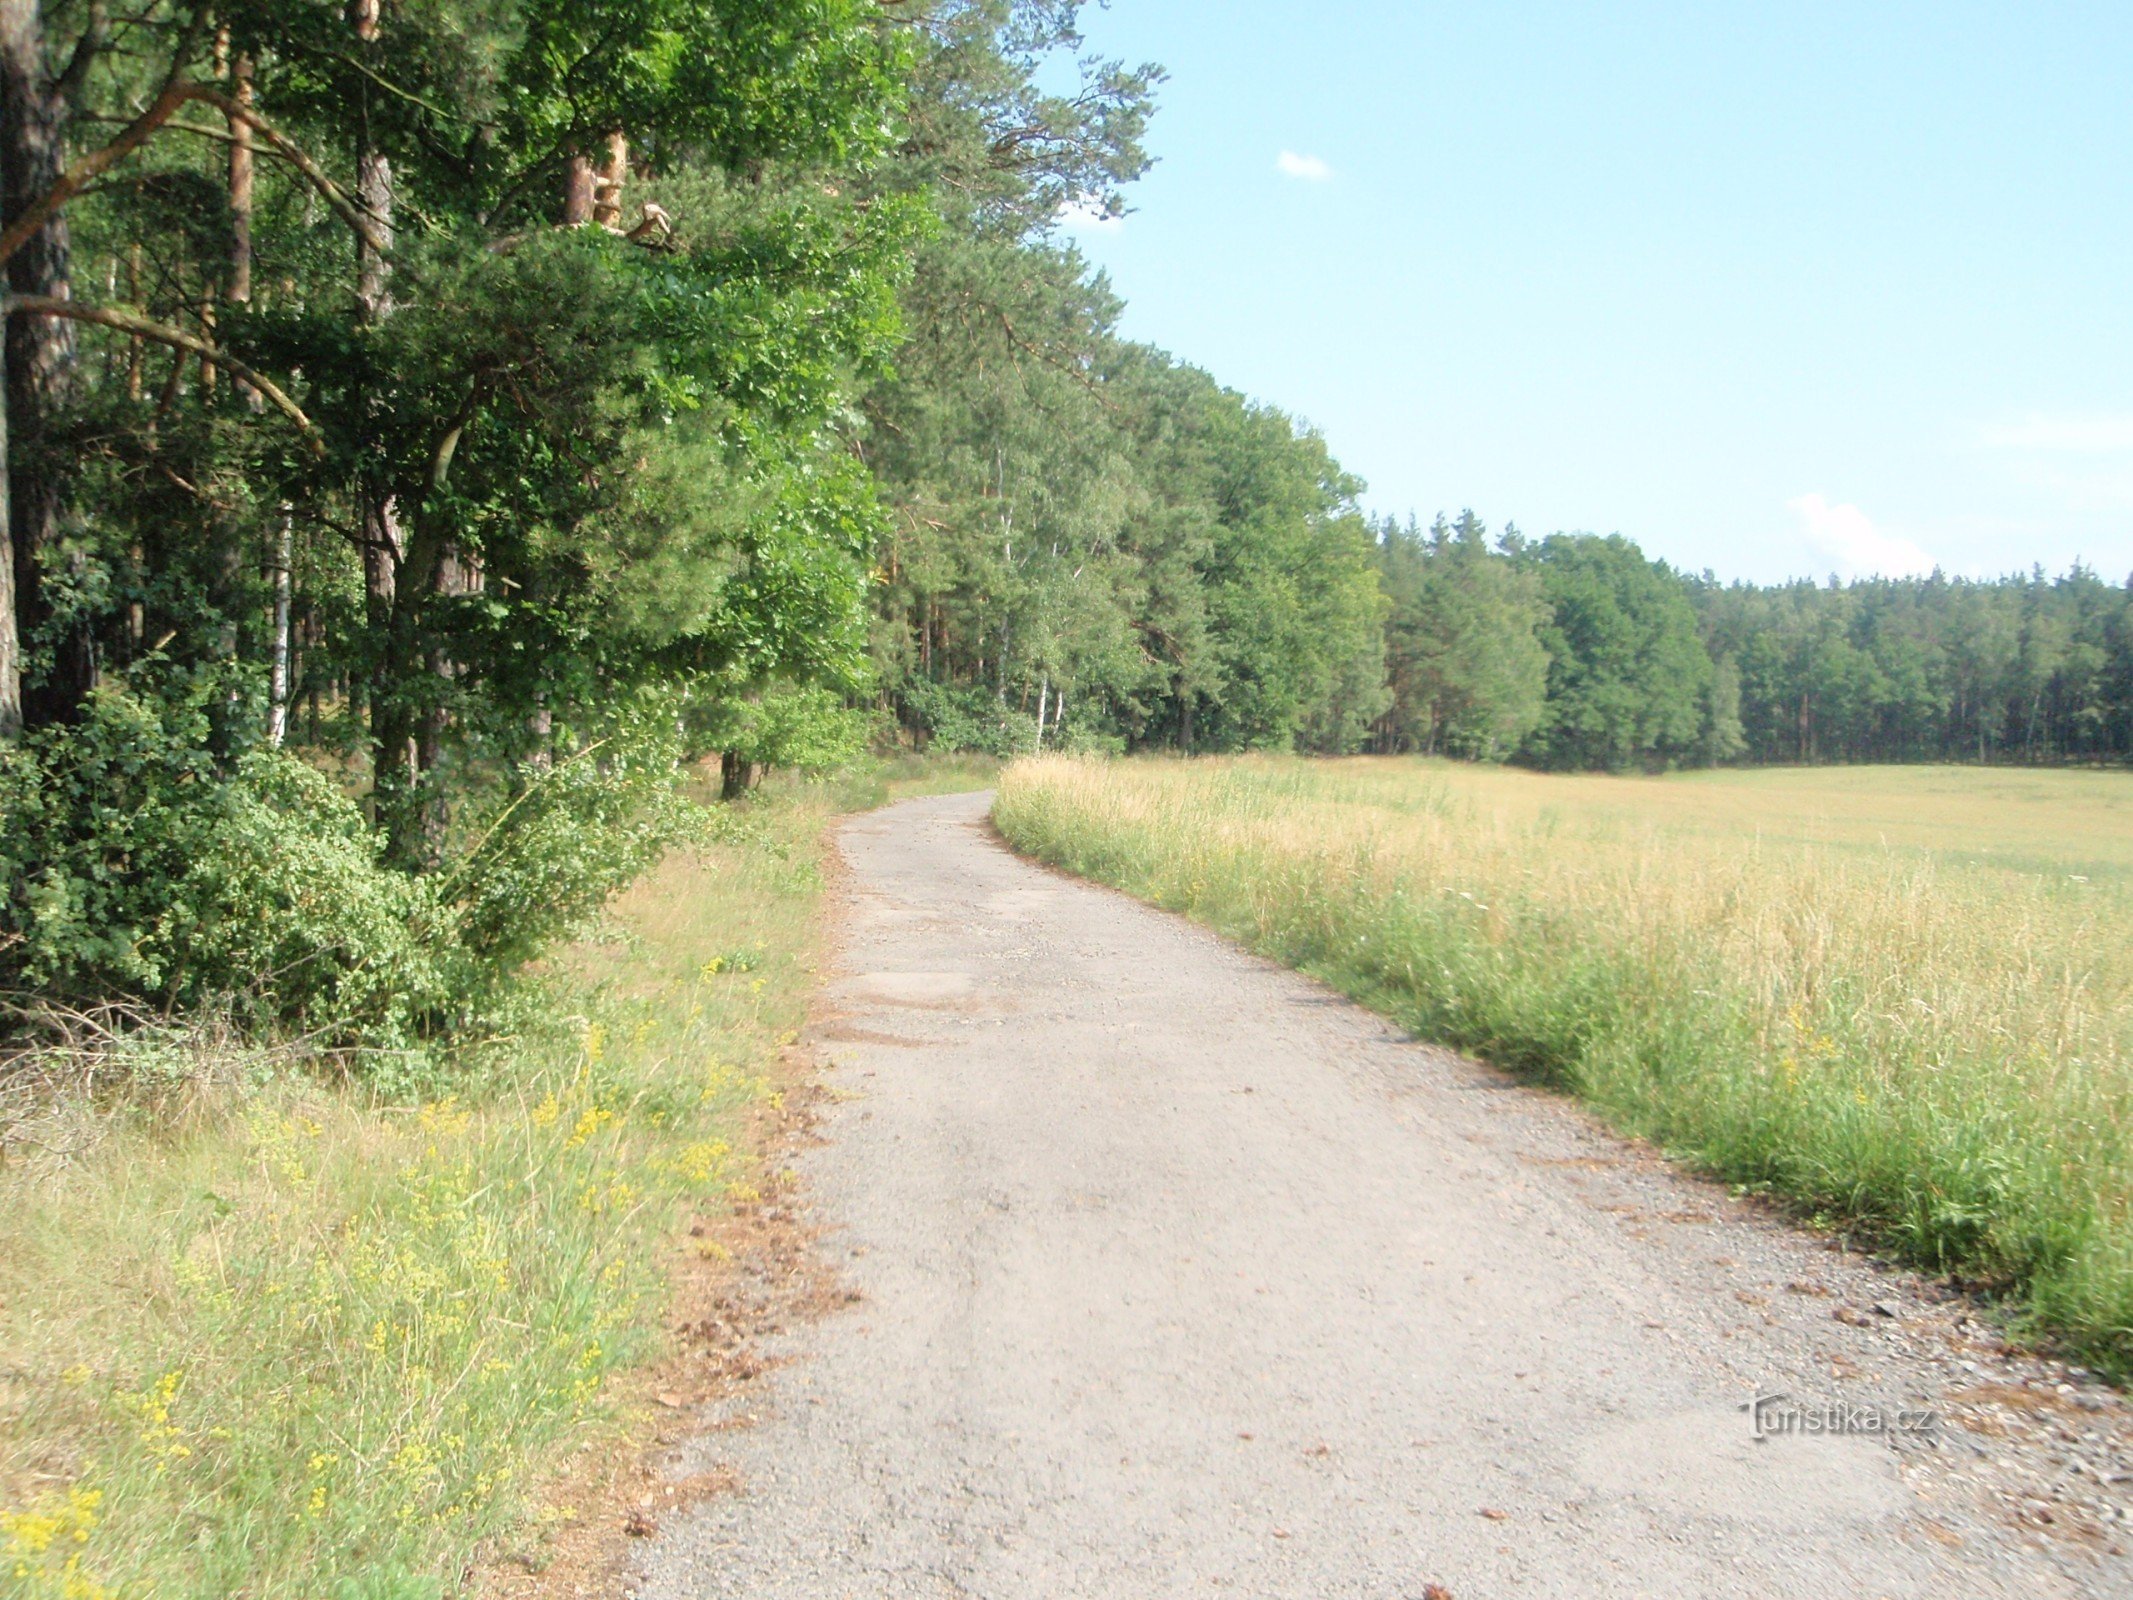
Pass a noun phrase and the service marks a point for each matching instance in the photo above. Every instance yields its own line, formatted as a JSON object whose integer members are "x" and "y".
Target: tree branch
{"x": 366, "y": 227}
{"x": 37, "y": 305}
{"x": 94, "y": 36}
{"x": 176, "y": 93}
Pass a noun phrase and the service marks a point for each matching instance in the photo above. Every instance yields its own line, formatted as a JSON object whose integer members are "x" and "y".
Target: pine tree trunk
{"x": 40, "y": 361}
{"x": 577, "y": 192}
{"x": 392, "y": 730}
{"x": 607, "y": 190}
{"x": 240, "y": 288}
{"x": 241, "y": 162}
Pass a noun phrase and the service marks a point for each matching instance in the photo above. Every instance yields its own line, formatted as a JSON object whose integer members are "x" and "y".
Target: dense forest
{"x": 434, "y": 427}
{"x": 1579, "y": 652}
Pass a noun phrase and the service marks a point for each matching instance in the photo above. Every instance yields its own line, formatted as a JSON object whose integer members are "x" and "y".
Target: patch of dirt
{"x": 846, "y": 1033}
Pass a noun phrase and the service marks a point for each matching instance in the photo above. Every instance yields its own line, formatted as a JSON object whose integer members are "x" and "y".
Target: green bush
{"x": 141, "y": 868}
{"x": 545, "y": 861}
{"x": 968, "y": 720}
{"x": 789, "y": 727}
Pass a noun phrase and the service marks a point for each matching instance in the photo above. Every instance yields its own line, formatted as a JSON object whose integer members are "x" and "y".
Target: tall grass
{"x": 1905, "y": 1036}
{"x": 274, "y": 1338}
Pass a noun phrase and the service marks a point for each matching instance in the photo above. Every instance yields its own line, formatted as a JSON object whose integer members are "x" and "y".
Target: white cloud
{"x": 1848, "y": 538}
{"x": 1089, "y": 215}
{"x": 2096, "y": 433}
{"x": 1309, "y": 168}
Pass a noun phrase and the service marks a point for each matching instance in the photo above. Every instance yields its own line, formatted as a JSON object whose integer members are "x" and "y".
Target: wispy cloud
{"x": 1309, "y": 168}
{"x": 1089, "y": 215}
{"x": 2088, "y": 434}
{"x": 1848, "y": 538}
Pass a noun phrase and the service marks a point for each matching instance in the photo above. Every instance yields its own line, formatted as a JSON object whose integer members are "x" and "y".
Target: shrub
{"x": 549, "y": 858}
{"x": 139, "y": 866}
{"x": 791, "y": 727}
{"x": 968, "y": 720}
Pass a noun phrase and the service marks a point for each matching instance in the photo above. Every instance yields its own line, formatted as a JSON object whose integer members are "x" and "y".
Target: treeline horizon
{"x": 2023, "y": 668}
{"x": 1579, "y": 652}
{"x": 1093, "y": 545}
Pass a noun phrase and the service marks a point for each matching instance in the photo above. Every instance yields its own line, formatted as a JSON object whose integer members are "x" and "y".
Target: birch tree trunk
{"x": 278, "y": 675}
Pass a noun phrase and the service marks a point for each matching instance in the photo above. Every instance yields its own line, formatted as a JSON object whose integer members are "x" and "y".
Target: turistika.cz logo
{"x": 1776, "y": 1414}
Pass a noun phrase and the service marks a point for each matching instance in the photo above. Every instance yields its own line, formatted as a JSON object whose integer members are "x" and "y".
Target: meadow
{"x": 1899, "y": 1000}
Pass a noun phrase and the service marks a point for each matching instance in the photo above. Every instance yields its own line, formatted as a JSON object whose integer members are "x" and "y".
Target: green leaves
{"x": 1627, "y": 676}
{"x": 1468, "y": 672}
{"x": 138, "y": 865}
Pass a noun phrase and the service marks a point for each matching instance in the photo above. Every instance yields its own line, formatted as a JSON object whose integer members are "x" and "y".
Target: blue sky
{"x": 1773, "y": 289}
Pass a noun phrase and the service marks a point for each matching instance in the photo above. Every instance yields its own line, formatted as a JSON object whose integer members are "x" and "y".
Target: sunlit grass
{"x": 277, "y": 1339}
{"x": 1897, "y": 997}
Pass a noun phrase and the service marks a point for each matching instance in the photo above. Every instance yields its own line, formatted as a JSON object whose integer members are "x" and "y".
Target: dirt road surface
{"x": 1179, "y": 1275}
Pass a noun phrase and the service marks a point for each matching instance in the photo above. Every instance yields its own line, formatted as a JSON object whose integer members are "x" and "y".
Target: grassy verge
{"x": 1937, "y": 1050}
{"x": 273, "y": 1338}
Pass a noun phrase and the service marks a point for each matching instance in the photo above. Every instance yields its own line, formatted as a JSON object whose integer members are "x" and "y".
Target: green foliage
{"x": 550, "y": 470}
{"x": 139, "y": 866}
{"x": 966, "y": 721}
{"x": 1468, "y": 672}
{"x": 1628, "y": 679}
{"x": 1073, "y": 515}
{"x": 550, "y": 857}
{"x": 986, "y": 131}
{"x": 2018, "y": 669}
{"x": 788, "y": 727}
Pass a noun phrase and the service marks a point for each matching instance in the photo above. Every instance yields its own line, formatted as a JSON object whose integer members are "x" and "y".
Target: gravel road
{"x": 1178, "y": 1275}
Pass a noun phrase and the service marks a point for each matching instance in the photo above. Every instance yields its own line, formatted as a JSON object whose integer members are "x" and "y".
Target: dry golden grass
{"x": 1899, "y": 997}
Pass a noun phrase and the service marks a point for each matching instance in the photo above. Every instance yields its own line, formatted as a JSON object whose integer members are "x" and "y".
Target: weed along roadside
{"x": 1836, "y": 994}
{"x": 259, "y": 1329}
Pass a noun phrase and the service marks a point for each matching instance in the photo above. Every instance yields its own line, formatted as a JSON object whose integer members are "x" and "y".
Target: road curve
{"x": 1179, "y": 1275}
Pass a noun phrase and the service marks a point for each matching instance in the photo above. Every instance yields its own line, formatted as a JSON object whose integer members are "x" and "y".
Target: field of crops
{"x": 1899, "y": 998}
